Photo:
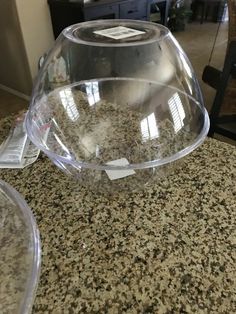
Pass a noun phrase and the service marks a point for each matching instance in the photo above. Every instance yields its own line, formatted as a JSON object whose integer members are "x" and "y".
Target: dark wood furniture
{"x": 65, "y": 13}
{"x": 117, "y": 9}
{"x": 222, "y": 117}
{"x": 223, "y": 111}
{"x": 206, "y": 8}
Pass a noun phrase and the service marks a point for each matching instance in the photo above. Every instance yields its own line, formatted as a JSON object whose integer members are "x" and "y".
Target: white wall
{"x": 14, "y": 68}
{"x": 35, "y": 22}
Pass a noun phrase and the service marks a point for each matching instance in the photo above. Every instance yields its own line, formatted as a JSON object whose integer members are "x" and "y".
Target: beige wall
{"x": 36, "y": 28}
{"x": 14, "y": 67}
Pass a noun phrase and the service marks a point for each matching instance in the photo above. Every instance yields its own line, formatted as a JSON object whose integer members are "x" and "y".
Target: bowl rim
{"x": 33, "y": 279}
{"x": 144, "y": 165}
{"x": 68, "y": 32}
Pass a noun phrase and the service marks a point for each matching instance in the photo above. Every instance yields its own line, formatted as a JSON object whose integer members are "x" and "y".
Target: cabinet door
{"x": 139, "y": 9}
{"x": 101, "y": 12}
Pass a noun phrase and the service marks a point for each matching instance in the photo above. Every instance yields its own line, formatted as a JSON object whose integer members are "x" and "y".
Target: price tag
{"x": 119, "y": 32}
{"x": 118, "y": 174}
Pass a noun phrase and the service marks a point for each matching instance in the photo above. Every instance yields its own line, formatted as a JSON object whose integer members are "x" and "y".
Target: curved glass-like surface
{"x": 116, "y": 89}
{"x": 19, "y": 253}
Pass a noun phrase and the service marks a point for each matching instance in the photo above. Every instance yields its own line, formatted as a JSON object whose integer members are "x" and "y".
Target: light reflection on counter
{"x": 69, "y": 104}
{"x": 149, "y": 128}
{"x": 177, "y": 111}
{"x": 92, "y": 92}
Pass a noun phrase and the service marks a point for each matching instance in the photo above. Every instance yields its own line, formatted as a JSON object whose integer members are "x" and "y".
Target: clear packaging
{"x": 11, "y": 151}
{"x": 19, "y": 253}
{"x": 124, "y": 98}
{"x": 17, "y": 151}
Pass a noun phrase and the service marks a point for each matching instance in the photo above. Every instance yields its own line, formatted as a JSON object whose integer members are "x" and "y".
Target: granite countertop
{"x": 168, "y": 249}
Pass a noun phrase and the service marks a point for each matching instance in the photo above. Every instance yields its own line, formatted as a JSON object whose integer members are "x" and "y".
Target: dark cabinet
{"x": 65, "y": 13}
{"x": 135, "y": 10}
{"x": 121, "y": 9}
{"x": 101, "y": 12}
{"x": 68, "y": 12}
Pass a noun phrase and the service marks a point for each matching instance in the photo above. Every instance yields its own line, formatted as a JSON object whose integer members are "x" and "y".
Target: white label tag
{"x": 119, "y": 32}
{"x": 118, "y": 174}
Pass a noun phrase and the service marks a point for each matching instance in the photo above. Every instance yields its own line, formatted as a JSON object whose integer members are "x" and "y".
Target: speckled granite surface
{"x": 16, "y": 256}
{"x": 169, "y": 249}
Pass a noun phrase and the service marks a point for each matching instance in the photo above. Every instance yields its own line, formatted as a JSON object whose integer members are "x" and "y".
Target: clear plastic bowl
{"x": 115, "y": 101}
{"x": 19, "y": 253}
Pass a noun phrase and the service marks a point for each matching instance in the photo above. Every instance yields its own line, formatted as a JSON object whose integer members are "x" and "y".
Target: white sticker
{"x": 118, "y": 174}
{"x": 119, "y": 32}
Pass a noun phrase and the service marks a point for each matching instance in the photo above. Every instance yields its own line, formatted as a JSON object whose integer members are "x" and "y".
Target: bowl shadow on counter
{"x": 98, "y": 181}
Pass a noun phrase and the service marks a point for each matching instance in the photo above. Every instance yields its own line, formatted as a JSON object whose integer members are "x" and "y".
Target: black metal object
{"x": 163, "y": 6}
{"x": 211, "y": 76}
{"x": 224, "y": 125}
